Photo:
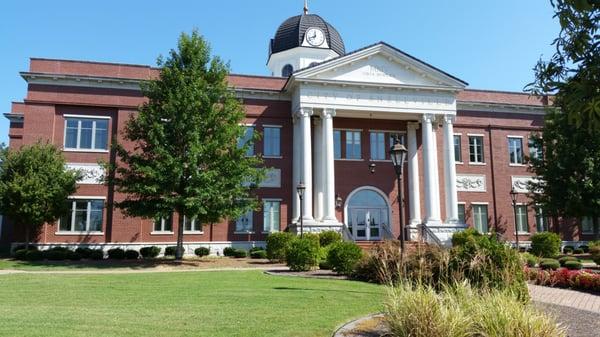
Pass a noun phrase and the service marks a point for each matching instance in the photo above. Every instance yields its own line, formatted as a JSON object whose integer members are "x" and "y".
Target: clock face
{"x": 315, "y": 37}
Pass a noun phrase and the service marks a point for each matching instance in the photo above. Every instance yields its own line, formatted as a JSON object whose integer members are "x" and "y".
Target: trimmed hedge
{"x": 240, "y": 253}
{"x": 131, "y": 254}
{"x": 529, "y": 259}
{"x": 585, "y": 248}
{"x": 327, "y": 238}
{"x": 150, "y": 252}
{"x": 116, "y": 254}
{"x": 303, "y": 254}
{"x": 545, "y": 244}
{"x": 59, "y": 254}
{"x": 171, "y": 250}
{"x": 229, "y": 251}
{"x": 277, "y": 245}
{"x": 343, "y": 257}
{"x": 96, "y": 254}
{"x": 84, "y": 252}
{"x": 578, "y": 251}
{"x": 568, "y": 249}
{"x": 549, "y": 264}
{"x": 202, "y": 251}
{"x": 565, "y": 259}
{"x": 462, "y": 237}
{"x": 258, "y": 254}
{"x": 19, "y": 254}
{"x": 573, "y": 265}
{"x": 34, "y": 255}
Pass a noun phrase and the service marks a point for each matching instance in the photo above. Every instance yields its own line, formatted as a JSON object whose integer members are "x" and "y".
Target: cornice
{"x": 14, "y": 117}
{"x": 500, "y": 108}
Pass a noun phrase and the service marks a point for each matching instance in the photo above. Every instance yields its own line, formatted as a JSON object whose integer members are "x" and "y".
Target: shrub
{"x": 462, "y": 237}
{"x": 150, "y": 252}
{"x": 595, "y": 253}
{"x": 240, "y": 253}
{"x": 202, "y": 251}
{"x": 564, "y": 259}
{"x": 33, "y": 255}
{"x": 116, "y": 254}
{"x": 96, "y": 254}
{"x": 277, "y": 245}
{"x": 573, "y": 265}
{"x": 255, "y": 249}
{"x": 564, "y": 278}
{"x": 585, "y": 248}
{"x": 327, "y": 238}
{"x": 73, "y": 256}
{"x": 229, "y": 251}
{"x": 21, "y": 247}
{"x": 84, "y": 252}
{"x": 545, "y": 244}
{"x": 20, "y": 254}
{"x": 171, "y": 250}
{"x": 303, "y": 254}
{"x": 57, "y": 253}
{"x": 343, "y": 257}
{"x": 258, "y": 254}
{"x": 594, "y": 243}
{"x": 131, "y": 254}
{"x": 578, "y": 251}
{"x": 323, "y": 252}
{"x": 530, "y": 260}
{"x": 568, "y": 249}
{"x": 549, "y": 264}
{"x": 381, "y": 265}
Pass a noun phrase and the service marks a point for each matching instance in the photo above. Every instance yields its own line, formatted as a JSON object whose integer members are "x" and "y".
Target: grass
{"x": 233, "y": 303}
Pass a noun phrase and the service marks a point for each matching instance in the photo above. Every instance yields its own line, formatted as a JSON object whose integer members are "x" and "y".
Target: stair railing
{"x": 429, "y": 236}
{"x": 388, "y": 232}
{"x": 346, "y": 234}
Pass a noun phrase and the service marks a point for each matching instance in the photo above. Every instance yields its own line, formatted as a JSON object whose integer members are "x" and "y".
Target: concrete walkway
{"x": 565, "y": 297}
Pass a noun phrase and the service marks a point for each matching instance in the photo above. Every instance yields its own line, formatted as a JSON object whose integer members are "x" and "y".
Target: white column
{"x": 414, "y": 195}
{"x": 318, "y": 170}
{"x": 306, "y": 158}
{"x": 328, "y": 165}
{"x": 450, "y": 171}
{"x": 432, "y": 207}
{"x": 296, "y": 163}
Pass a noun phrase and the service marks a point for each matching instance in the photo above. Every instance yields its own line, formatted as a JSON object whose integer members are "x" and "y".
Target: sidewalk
{"x": 565, "y": 297}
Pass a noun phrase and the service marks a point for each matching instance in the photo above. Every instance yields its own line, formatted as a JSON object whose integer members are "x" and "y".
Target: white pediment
{"x": 380, "y": 64}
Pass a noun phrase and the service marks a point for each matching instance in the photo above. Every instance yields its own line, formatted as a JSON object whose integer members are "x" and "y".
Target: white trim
{"x": 500, "y": 108}
{"x": 272, "y": 157}
{"x": 350, "y": 159}
{"x": 86, "y": 116}
{"x": 74, "y": 233}
{"x": 516, "y": 165}
{"x": 513, "y": 136}
{"x": 243, "y": 232}
{"x": 480, "y": 203}
{"x": 477, "y": 163}
{"x": 161, "y": 232}
{"x": 475, "y": 135}
{"x": 272, "y": 126}
{"x": 193, "y": 232}
{"x": 458, "y": 162}
{"x": 85, "y": 150}
{"x": 347, "y": 129}
{"x": 387, "y": 131}
{"x": 87, "y": 197}
{"x": 376, "y": 190}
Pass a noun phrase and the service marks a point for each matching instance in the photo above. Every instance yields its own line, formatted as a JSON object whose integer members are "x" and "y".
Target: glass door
{"x": 374, "y": 221}
{"x": 358, "y": 224}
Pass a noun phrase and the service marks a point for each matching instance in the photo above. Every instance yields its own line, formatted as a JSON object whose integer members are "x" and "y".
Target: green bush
{"x": 595, "y": 253}
{"x": 229, "y": 251}
{"x": 258, "y": 254}
{"x": 84, "y": 252}
{"x": 171, "y": 250}
{"x": 578, "y": 251}
{"x": 20, "y": 254}
{"x": 545, "y": 244}
{"x": 96, "y": 254}
{"x": 530, "y": 260}
{"x": 277, "y": 245}
{"x": 131, "y": 254}
{"x": 21, "y": 247}
{"x": 343, "y": 257}
{"x": 303, "y": 254}
{"x": 568, "y": 249}
{"x": 150, "y": 252}
{"x": 462, "y": 237}
{"x": 327, "y": 238}
{"x": 202, "y": 251}
{"x": 564, "y": 259}
{"x": 573, "y": 265}
{"x": 549, "y": 264}
{"x": 255, "y": 249}
{"x": 57, "y": 253}
{"x": 116, "y": 254}
{"x": 240, "y": 253}
{"x": 323, "y": 252}
{"x": 73, "y": 256}
{"x": 585, "y": 248}
{"x": 33, "y": 255}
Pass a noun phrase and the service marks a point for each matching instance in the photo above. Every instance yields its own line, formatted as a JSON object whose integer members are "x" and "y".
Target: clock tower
{"x": 302, "y": 41}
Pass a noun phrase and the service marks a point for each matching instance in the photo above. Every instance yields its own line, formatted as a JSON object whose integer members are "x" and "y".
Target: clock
{"x": 315, "y": 37}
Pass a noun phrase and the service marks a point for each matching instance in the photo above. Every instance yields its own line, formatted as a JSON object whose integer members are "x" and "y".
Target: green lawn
{"x": 235, "y": 303}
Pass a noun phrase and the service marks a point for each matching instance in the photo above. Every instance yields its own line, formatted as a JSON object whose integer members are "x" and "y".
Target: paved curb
{"x": 344, "y": 329}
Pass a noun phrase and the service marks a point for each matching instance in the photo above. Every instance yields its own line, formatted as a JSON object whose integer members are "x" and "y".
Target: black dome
{"x": 291, "y": 34}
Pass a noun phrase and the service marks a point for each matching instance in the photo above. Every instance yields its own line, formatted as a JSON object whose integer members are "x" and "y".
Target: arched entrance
{"x": 367, "y": 212}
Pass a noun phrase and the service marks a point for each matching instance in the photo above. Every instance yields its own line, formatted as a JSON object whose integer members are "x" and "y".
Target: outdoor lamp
{"x": 300, "y": 190}
{"x": 398, "y": 155}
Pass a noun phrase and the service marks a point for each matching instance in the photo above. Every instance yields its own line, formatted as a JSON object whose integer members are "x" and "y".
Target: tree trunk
{"x": 179, "y": 250}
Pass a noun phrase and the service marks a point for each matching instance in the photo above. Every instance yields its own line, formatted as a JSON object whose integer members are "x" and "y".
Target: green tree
{"x": 568, "y": 170}
{"x": 34, "y": 186}
{"x": 573, "y": 72}
{"x": 186, "y": 156}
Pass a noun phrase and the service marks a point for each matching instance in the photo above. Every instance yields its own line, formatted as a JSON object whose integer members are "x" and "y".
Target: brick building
{"x": 328, "y": 118}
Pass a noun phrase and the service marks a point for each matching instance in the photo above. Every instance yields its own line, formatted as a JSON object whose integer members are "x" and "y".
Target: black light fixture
{"x": 513, "y": 196}
{"x": 398, "y": 155}
{"x": 338, "y": 201}
{"x": 372, "y": 167}
{"x": 300, "y": 190}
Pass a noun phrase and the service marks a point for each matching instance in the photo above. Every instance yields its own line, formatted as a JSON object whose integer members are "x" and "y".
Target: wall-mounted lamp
{"x": 338, "y": 201}
{"x": 372, "y": 167}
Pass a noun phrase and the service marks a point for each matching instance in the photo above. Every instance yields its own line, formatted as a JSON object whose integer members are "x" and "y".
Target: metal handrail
{"x": 388, "y": 231}
{"x": 427, "y": 233}
{"x": 346, "y": 233}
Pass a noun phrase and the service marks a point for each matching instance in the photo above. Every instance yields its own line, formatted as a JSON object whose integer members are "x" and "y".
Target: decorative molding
{"x": 521, "y": 184}
{"x": 470, "y": 183}
{"x": 272, "y": 179}
{"x": 328, "y": 113}
{"x": 412, "y": 126}
{"x": 93, "y": 174}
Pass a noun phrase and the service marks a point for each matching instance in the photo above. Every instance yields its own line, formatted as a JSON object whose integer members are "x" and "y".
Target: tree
{"x": 568, "y": 171}
{"x": 34, "y": 186}
{"x": 186, "y": 156}
{"x": 573, "y": 72}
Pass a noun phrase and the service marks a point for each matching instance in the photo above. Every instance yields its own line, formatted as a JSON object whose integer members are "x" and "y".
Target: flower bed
{"x": 585, "y": 280}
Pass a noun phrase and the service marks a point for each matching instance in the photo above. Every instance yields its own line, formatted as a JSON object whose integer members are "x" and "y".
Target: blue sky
{"x": 490, "y": 44}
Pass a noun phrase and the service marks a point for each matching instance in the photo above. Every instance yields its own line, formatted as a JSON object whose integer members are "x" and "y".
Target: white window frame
{"x": 89, "y": 199}
{"x": 251, "y": 150}
{"x": 339, "y": 131}
{"x": 377, "y": 146}
{"x": 459, "y": 148}
{"x": 475, "y": 216}
{"x": 515, "y": 161}
{"x": 591, "y": 231}
{"x": 271, "y": 229}
{"x": 478, "y": 136}
{"x": 163, "y": 222}
{"x": 249, "y": 218}
{"x": 273, "y": 143}
{"x": 539, "y": 214}
{"x": 194, "y": 225}
{"x": 517, "y": 217}
{"x": 464, "y": 205}
{"x": 77, "y": 147}
{"x": 354, "y": 133}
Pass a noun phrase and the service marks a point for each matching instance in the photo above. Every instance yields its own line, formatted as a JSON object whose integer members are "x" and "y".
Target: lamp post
{"x": 513, "y": 196}
{"x": 398, "y": 155}
{"x": 300, "y": 190}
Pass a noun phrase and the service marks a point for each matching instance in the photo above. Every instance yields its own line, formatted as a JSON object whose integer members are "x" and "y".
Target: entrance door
{"x": 358, "y": 223}
{"x": 367, "y": 214}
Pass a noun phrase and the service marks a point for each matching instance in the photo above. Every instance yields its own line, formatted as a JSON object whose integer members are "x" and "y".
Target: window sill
{"x": 193, "y": 232}
{"x": 458, "y": 162}
{"x": 162, "y": 233}
{"x": 245, "y": 232}
{"x": 272, "y": 157}
{"x": 349, "y": 159}
{"x": 517, "y": 165}
{"x": 263, "y": 232}
{"x": 521, "y": 233}
{"x": 85, "y": 150}
{"x": 477, "y": 164}
{"x": 80, "y": 233}
{"x": 381, "y": 160}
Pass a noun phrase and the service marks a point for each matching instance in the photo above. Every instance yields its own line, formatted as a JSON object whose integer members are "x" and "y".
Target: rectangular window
{"x": 394, "y": 136}
{"x": 476, "y": 149}
{"x": 244, "y": 223}
{"x": 86, "y": 134}
{"x": 272, "y": 141}
{"x": 337, "y": 144}
{"x": 271, "y": 216}
{"x": 515, "y": 150}
{"x": 522, "y": 222}
{"x": 541, "y": 222}
{"x": 587, "y": 225}
{"x": 191, "y": 225}
{"x": 163, "y": 224}
{"x": 246, "y": 138}
{"x": 480, "y": 218}
{"x": 457, "y": 145}
{"x": 83, "y": 216}
{"x": 353, "y": 145}
{"x": 535, "y": 151}
{"x": 461, "y": 213}
{"x": 377, "y": 145}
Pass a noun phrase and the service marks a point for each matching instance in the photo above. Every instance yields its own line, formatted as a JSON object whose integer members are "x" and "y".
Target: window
{"x": 164, "y": 224}
{"x": 377, "y": 145}
{"x": 353, "y": 145}
{"x": 461, "y": 213}
{"x": 541, "y": 222}
{"x": 191, "y": 225}
{"x": 394, "y": 136}
{"x": 271, "y": 216}
{"x": 244, "y": 223}
{"x": 480, "y": 218}
{"x": 522, "y": 223}
{"x": 83, "y": 216}
{"x": 248, "y": 135}
{"x": 337, "y": 144}
{"x": 457, "y": 145}
{"x": 476, "y": 149}
{"x": 535, "y": 151}
{"x": 515, "y": 150}
{"x": 587, "y": 225}
{"x": 272, "y": 142}
{"x": 86, "y": 134}
{"x": 287, "y": 70}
